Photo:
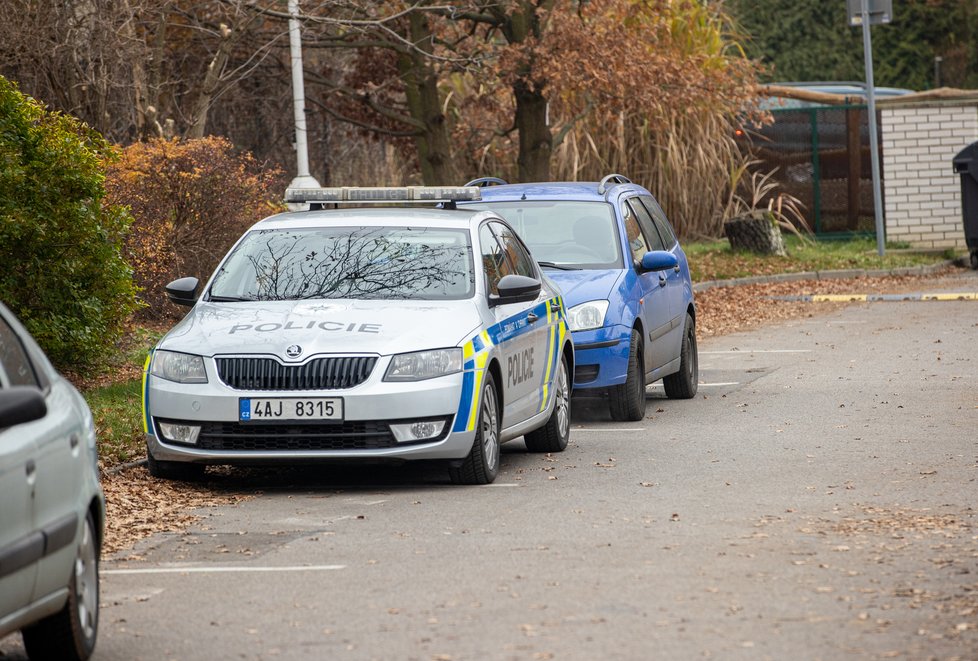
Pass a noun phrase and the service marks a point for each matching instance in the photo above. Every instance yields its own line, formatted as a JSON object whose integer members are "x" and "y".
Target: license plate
{"x": 283, "y": 408}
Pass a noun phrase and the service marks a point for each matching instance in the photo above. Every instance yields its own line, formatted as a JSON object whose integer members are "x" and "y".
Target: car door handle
{"x": 554, "y": 306}
{"x": 73, "y": 441}
{"x": 676, "y": 268}
{"x": 30, "y": 468}
{"x": 662, "y": 281}
{"x": 532, "y": 317}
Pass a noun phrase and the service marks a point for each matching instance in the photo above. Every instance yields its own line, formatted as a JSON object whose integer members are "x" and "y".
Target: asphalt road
{"x": 815, "y": 501}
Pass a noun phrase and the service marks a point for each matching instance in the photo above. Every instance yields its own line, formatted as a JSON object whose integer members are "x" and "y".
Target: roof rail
{"x": 382, "y": 194}
{"x": 613, "y": 178}
{"x": 482, "y": 182}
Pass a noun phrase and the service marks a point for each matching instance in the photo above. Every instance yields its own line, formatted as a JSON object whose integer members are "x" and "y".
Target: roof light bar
{"x": 382, "y": 195}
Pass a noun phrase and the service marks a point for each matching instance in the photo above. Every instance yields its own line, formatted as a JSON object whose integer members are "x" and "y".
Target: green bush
{"x": 62, "y": 268}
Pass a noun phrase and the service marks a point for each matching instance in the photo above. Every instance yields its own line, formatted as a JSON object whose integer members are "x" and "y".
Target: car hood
{"x": 269, "y": 328}
{"x": 585, "y": 285}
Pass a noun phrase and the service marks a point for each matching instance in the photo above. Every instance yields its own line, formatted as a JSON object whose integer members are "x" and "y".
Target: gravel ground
{"x": 139, "y": 505}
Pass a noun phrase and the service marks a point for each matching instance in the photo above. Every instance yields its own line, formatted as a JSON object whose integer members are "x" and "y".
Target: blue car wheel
{"x": 627, "y": 400}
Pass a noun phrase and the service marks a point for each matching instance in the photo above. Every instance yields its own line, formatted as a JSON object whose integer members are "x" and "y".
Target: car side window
{"x": 661, "y": 222}
{"x": 14, "y": 361}
{"x": 494, "y": 262}
{"x": 646, "y": 223}
{"x": 636, "y": 240}
{"x": 515, "y": 250}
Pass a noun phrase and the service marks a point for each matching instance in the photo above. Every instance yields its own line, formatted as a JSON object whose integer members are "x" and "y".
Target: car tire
{"x": 482, "y": 464}
{"x": 174, "y": 470}
{"x": 553, "y": 436}
{"x": 683, "y": 384}
{"x": 70, "y": 633}
{"x": 627, "y": 400}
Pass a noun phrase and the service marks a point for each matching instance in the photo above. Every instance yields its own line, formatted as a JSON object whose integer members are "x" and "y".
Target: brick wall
{"x": 921, "y": 192}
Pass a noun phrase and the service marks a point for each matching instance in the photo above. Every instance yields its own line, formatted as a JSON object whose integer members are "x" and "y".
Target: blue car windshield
{"x": 392, "y": 263}
{"x": 567, "y": 233}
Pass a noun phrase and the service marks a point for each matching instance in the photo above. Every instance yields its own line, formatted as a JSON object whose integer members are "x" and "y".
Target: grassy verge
{"x": 714, "y": 260}
{"x": 117, "y": 409}
{"x": 116, "y": 398}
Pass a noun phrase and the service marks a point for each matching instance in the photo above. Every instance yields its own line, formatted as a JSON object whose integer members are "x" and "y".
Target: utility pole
{"x": 881, "y": 12}
{"x": 302, "y": 178}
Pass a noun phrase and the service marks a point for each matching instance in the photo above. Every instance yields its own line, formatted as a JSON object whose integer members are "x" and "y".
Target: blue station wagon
{"x": 625, "y": 280}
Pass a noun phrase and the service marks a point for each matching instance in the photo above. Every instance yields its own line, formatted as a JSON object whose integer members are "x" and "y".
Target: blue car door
{"x": 675, "y": 278}
{"x": 655, "y": 310}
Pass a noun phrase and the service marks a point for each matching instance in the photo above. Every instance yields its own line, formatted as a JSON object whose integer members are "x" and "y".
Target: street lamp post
{"x": 302, "y": 178}
{"x": 881, "y": 12}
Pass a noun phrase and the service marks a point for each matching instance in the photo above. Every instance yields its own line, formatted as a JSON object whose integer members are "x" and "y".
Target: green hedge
{"x": 62, "y": 271}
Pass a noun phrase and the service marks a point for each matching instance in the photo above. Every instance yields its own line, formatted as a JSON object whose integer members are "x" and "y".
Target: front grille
{"x": 299, "y": 437}
{"x": 318, "y": 374}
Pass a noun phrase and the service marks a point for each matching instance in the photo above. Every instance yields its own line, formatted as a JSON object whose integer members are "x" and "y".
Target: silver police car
{"x": 384, "y": 332}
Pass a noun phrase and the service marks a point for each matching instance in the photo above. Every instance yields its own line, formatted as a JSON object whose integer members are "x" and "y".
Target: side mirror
{"x": 20, "y": 404}
{"x": 515, "y": 289}
{"x": 659, "y": 260}
{"x": 183, "y": 291}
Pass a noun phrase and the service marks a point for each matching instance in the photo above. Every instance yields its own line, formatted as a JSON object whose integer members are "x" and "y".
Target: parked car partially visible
{"x": 52, "y": 509}
{"x": 625, "y": 279}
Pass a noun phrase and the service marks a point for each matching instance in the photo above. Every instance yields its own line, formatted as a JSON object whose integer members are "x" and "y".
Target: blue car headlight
{"x": 587, "y": 316}
{"x": 178, "y": 367}
{"x": 422, "y": 365}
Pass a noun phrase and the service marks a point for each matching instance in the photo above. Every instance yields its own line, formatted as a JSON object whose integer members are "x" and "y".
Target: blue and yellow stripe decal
{"x": 557, "y": 331}
{"x": 146, "y": 424}
{"x": 475, "y": 355}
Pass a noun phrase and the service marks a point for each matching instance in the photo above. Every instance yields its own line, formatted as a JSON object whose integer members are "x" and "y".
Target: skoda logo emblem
{"x": 294, "y": 351}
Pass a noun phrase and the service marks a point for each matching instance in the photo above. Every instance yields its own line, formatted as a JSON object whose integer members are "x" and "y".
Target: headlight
{"x": 424, "y": 365}
{"x": 179, "y": 367}
{"x": 587, "y": 315}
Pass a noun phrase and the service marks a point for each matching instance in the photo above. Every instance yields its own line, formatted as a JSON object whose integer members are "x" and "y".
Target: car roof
{"x": 374, "y": 216}
{"x": 556, "y": 190}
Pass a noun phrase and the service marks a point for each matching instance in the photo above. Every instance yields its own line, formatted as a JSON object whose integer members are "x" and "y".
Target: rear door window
{"x": 661, "y": 222}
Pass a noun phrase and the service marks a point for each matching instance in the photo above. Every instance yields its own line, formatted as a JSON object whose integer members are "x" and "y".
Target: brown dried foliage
{"x": 190, "y": 201}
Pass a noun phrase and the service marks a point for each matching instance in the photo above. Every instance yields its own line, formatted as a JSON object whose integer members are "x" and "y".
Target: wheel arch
{"x": 97, "y": 510}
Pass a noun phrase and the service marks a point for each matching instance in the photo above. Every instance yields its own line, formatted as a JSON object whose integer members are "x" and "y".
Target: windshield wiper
{"x": 562, "y": 267}
{"x": 227, "y": 299}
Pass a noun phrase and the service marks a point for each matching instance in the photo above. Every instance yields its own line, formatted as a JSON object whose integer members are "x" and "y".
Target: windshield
{"x": 347, "y": 262}
{"x": 577, "y": 234}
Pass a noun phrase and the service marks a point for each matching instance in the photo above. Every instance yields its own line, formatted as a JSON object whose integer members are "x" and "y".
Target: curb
{"x": 827, "y": 275}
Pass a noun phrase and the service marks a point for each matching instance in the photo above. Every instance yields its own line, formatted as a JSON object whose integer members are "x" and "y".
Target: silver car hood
{"x": 315, "y": 327}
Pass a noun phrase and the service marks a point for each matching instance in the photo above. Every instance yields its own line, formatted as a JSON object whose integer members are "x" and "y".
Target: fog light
{"x": 179, "y": 433}
{"x": 417, "y": 431}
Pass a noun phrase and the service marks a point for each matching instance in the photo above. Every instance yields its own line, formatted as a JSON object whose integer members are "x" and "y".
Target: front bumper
{"x": 601, "y": 357}
{"x": 364, "y": 433}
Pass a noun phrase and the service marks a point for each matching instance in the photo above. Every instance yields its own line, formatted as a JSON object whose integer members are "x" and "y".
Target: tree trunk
{"x": 433, "y": 142}
{"x": 212, "y": 79}
{"x": 757, "y": 233}
{"x": 536, "y": 140}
